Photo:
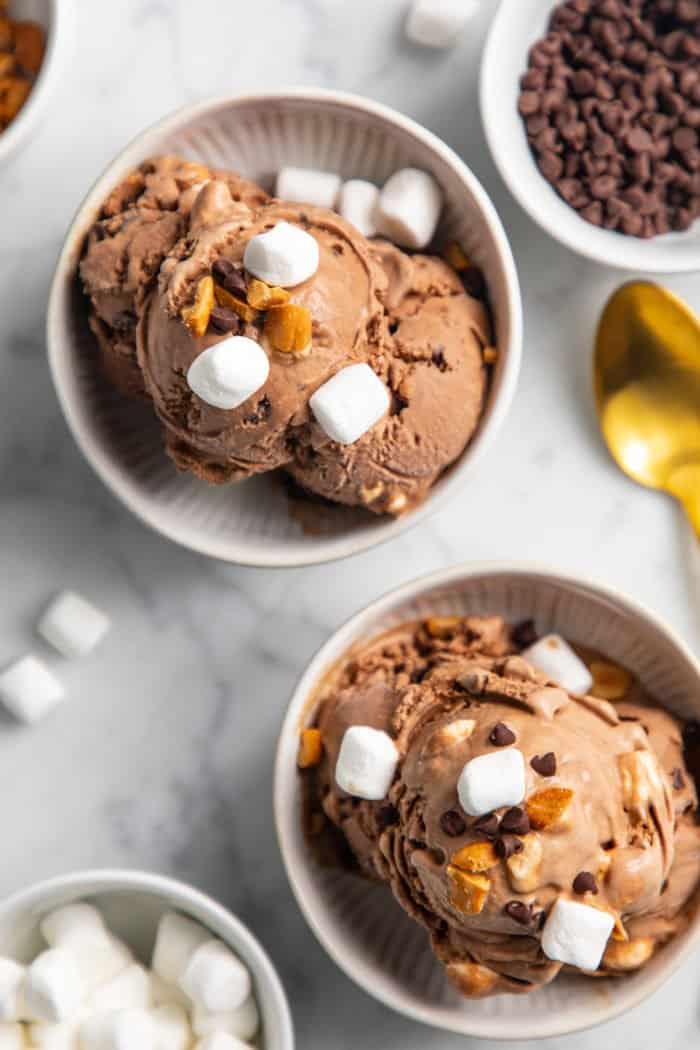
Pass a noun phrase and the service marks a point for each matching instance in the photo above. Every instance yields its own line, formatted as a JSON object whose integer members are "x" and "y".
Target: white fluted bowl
{"x": 359, "y": 924}
{"x": 250, "y": 523}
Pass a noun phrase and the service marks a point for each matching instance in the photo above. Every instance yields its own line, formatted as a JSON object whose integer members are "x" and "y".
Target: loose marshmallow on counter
{"x": 53, "y": 989}
{"x": 492, "y": 780}
{"x": 554, "y": 657}
{"x": 308, "y": 186}
{"x": 228, "y": 373}
{"x": 350, "y": 403}
{"x": 73, "y": 625}
{"x": 221, "y": 1041}
{"x": 285, "y": 256}
{"x": 11, "y": 983}
{"x": 358, "y": 204}
{"x": 177, "y": 940}
{"x": 576, "y": 934}
{"x": 62, "y": 1036}
{"x": 13, "y": 1036}
{"x": 243, "y": 1022}
{"x": 119, "y": 1030}
{"x": 409, "y": 207}
{"x": 172, "y": 1028}
{"x": 29, "y": 690}
{"x": 366, "y": 763}
{"x": 438, "y": 23}
{"x": 129, "y": 989}
{"x": 216, "y": 979}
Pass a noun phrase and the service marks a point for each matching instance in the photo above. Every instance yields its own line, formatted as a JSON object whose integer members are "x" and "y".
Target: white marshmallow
{"x": 438, "y": 23}
{"x": 119, "y": 1030}
{"x": 62, "y": 1036}
{"x": 308, "y": 186}
{"x": 409, "y": 207}
{"x": 554, "y": 657}
{"x": 228, "y": 373}
{"x": 576, "y": 934}
{"x": 29, "y": 690}
{"x": 492, "y": 780}
{"x": 285, "y": 256}
{"x": 129, "y": 989}
{"x": 71, "y": 922}
{"x": 173, "y": 1031}
{"x": 98, "y": 958}
{"x": 221, "y": 1041}
{"x": 53, "y": 988}
{"x": 11, "y": 984}
{"x": 216, "y": 979}
{"x": 366, "y": 762}
{"x": 163, "y": 993}
{"x": 13, "y": 1036}
{"x": 177, "y": 940}
{"x": 350, "y": 403}
{"x": 72, "y": 625}
{"x": 243, "y": 1022}
{"x": 358, "y": 204}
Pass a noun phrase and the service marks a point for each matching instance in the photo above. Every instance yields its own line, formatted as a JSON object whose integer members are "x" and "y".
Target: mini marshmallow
{"x": 54, "y": 1036}
{"x": 70, "y": 923}
{"x": 285, "y": 256}
{"x": 119, "y": 1030}
{"x": 221, "y": 1041}
{"x": 98, "y": 958}
{"x": 576, "y": 934}
{"x": 11, "y": 983}
{"x": 172, "y": 1028}
{"x": 554, "y": 657}
{"x": 409, "y": 207}
{"x": 163, "y": 993}
{"x": 438, "y": 23}
{"x": 131, "y": 989}
{"x": 177, "y": 940}
{"x": 53, "y": 988}
{"x": 216, "y": 979}
{"x": 308, "y": 186}
{"x": 72, "y": 625}
{"x": 243, "y": 1022}
{"x": 29, "y": 690}
{"x": 13, "y": 1036}
{"x": 366, "y": 762}
{"x": 358, "y": 204}
{"x": 228, "y": 373}
{"x": 492, "y": 780}
{"x": 349, "y": 404}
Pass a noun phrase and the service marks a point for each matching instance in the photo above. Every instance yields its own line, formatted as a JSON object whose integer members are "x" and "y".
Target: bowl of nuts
{"x": 592, "y": 112}
{"x": 34, "y": 37}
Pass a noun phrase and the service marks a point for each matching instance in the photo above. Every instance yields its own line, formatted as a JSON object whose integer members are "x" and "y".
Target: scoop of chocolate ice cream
{"x": 608, "y": 817}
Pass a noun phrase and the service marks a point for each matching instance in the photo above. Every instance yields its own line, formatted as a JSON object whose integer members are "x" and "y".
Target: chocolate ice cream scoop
{"x": 608, "y": 820}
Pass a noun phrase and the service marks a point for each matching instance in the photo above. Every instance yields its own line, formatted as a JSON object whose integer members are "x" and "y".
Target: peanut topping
{"x": 230, "y": 302}
{"x": 310, "y": 748}
{"x": 196, "y": 317}
{"x": 628, "y": 955}
{"x": 456, "y": 257}
{"x": 471, "y": 978}
{"x": 546, "y": 807}
{"x": 288, "y": 328}
{"x": 262, "y": 296}
{"x": 21, "y": 55}
{"x": 442, "y": 626}
{"x": 610, "y": 682}
{"x": 13, "y": 95}
{"x": 524, "y": 867}
{"x": 490, "y": 355}
{"x": 475, "y": 857}
{"x": 29, "y": 46}
{"x": 448, "y": 736}
{"x": 468, "y": 892}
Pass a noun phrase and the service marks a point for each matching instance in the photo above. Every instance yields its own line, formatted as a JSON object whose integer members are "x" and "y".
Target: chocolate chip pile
{"x": 611, "y": 104}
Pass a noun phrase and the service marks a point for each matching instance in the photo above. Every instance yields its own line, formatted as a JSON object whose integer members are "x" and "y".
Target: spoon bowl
{"x": 647, "y": 386}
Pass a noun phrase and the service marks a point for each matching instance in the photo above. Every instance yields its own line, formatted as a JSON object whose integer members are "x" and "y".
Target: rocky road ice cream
{"x": 528, "y": 829}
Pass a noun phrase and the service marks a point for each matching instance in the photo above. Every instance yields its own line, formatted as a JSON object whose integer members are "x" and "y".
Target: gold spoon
{"x": 647, "y": 386}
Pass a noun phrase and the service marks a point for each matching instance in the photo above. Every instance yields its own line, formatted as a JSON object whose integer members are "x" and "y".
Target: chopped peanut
{"x": 29, "y": 46}
{"x": 468, "y": 892}
{"x": 196, "y": 317}
{"x": 13, "y": 95}
{"x": 230, "y": 302}
{"x": 545, "y": 807}
{"x": 262, "y": 296}
{"x": 490, "y": 354}
{"x": 610, "y": 682}
{"x": 455, "y": 256}
{"x": 310, "y": 748}
{"x": 524, "y": 867}
{"x": 471, "y": 978}
{"x": 448, "y": 736}
{"x": 288, "y": 328}
{"x": 442, "y": 626}
{"x": 7, "y": 63}
{"x": 475, "y": 857}
{"x": 628, "y": 955}
{"x": 5, "y": 33}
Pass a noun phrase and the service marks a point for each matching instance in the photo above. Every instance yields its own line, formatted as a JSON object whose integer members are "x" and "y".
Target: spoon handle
{"x": 685, "y": 485}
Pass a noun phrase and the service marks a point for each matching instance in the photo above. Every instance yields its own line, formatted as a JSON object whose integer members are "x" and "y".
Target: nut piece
{"x": 262, "y": 296}
{"x": 455, "y": 256}
{"x": 468, "y": 892}
{"x": 490, "y": 355}
{"x": 7, "y": 63}
{"x": 475, "y": 857}
{"x": 230, "y": 302}
{"x": 448, "y": 736}
{"x": 524, "y": 867}
{"x": 196, "y": 317}
{"x": 288, "y": 328}
{"x": 610, "y": 682}
{"x": 369, "y": 493}
{"x": 5, "y": 33}
{"x": 628, "y": 955}
{"x": 29, "y": 46}
{"x": 310, "y": 748}
{"x": 546, "y": 807}
{"x": 639, "y": 774}
{"x": 471, "y": 978}
{"x": 442, "y": 626}
{"x": 13, "y": 95}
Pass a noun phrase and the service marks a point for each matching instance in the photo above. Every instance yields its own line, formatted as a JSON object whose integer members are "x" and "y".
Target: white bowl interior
{"x": 359, "y": 924}
{"x": 250, "y": 523}
{"x": 132, "y": 905}
{"x": 515, "y": 28}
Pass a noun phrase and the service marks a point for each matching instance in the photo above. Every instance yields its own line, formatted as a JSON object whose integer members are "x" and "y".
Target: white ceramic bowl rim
{"x": 324, "y": 550}
{"x": 324, "y": 658}
{"x": 105, "y": 880}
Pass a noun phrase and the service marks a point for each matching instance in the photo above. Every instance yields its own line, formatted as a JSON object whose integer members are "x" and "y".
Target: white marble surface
{"x": 162, "y": 758}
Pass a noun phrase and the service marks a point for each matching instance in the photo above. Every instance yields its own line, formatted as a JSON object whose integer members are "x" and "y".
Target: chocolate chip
{"x": 487, "y": 825}
{"x": 507, "y": 845}
{"x": 585, "y": 883}
{"x": 524, "y": 634}
{"x": 545, "y": 765}
{"x": 520, "y": 912}
{"x": 515, "y": 820}
{"x": 452, "y": 823}
{"x": 501, "y": 735}
{"x": 230, "y": 277}
{"x": 224, "y": 320}
{"x": 677, "y": 779}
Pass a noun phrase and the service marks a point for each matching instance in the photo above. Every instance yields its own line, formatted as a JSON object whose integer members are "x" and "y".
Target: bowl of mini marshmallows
{"x": 120, "y": 960}
{"x": 592, "y": 112}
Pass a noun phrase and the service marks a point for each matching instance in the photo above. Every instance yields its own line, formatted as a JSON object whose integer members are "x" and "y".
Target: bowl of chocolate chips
{"x": 592, "y": 112}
